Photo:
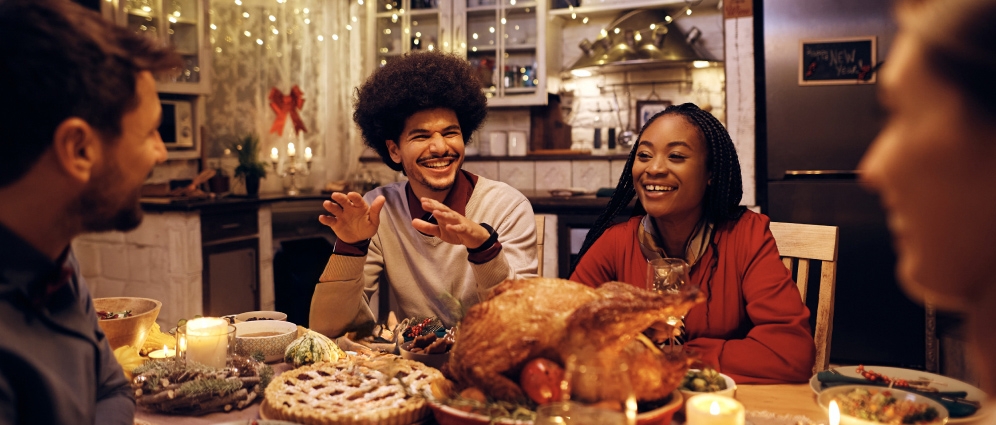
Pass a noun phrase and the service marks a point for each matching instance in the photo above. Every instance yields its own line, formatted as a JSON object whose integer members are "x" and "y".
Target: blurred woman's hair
{"x": 959, "y": 42}
{"x": 722, "y": 195}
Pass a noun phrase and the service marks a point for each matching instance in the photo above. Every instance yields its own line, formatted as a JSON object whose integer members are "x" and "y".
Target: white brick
{"x": 590, "y": 175}
{"x": 158, "y": 265}
{"x": 114, "y": 261}
{"x": 108, "y": 237}
{"x": 149, "y": 233}
{"x": 139, "y": 263}
{"x": 553, "y": 175}
{"x": 518, "y": 174}
{"x": 88, "y": 254}
{"x": 112, "y": 288}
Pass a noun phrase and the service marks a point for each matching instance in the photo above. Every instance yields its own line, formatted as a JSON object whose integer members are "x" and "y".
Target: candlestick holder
{"x": 292, "y": 166}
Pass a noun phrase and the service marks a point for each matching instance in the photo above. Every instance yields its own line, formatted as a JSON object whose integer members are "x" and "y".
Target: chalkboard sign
{"x": 837, "y": 61}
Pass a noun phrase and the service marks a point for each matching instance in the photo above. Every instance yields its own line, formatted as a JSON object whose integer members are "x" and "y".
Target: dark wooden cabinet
{"x": 230, "y": 251}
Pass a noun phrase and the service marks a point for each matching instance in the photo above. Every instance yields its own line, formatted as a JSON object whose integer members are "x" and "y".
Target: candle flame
{"x": 714, "y": 408}
{"x": 165, "y": 348}
{"x": 834, "y": 413}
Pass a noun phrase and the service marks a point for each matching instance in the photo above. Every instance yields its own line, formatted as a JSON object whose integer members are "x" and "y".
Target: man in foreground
{"x": 440, "y": 241}
{"x": 80, "y": 117}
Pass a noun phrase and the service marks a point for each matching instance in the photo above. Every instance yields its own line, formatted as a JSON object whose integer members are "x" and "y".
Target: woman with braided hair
{"x": 685, "y": 173}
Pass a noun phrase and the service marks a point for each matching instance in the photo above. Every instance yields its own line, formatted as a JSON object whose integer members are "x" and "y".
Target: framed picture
{"x": 648, "y": 108}
{"x": 851, "y": 60}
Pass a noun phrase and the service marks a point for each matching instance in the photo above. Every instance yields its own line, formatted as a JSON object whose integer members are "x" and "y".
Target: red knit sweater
{"x": 753, "y": 325}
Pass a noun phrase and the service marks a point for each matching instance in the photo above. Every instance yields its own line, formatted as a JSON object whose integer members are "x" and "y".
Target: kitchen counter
{"x": 229, "y": 201}
{"x": 544, "y": 203}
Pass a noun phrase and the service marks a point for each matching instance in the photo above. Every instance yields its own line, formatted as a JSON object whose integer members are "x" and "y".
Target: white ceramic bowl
{"x": 270, "y": 337}
{"x": 730, "y": 391}
{"x": 831, "y": 393}
{"x": 251, "y": 316}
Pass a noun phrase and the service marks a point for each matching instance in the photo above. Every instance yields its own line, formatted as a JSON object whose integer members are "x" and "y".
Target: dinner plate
{"x": 942, "y": 383}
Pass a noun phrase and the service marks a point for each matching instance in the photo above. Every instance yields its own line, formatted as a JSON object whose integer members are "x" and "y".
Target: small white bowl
{"x": 730, "y": 391}
{"x": 830, "y": 393}
{"x": 270, "y": 337}
{"x": 251, "y": 316}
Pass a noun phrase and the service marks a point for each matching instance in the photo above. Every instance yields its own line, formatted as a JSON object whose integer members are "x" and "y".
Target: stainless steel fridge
{"x": 810, "y": 140}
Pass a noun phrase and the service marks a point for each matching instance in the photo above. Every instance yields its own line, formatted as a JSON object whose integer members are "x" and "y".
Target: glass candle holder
{"x": 205, "y": 340}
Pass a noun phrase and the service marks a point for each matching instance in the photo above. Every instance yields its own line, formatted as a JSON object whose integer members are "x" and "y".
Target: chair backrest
{"x": 798, "y": 244}
{"x": 540, "y": 232}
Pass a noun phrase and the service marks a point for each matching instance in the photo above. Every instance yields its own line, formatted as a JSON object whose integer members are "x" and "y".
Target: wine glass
{"x": 667, "y": 276}
{"x": 592, "y": 392}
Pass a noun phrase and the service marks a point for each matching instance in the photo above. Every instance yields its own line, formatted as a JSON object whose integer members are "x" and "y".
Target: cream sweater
{"x": 424, "y": 273}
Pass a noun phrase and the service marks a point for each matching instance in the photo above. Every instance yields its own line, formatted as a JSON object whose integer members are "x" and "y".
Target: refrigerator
{"x": 811, "y": 138}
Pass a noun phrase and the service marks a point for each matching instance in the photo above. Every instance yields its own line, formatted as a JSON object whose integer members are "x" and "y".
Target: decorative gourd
{"x": 312, "y": 347}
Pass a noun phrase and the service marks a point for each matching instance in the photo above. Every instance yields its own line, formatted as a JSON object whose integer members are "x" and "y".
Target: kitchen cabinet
{"x": 504, "y": 40}
{"x": 180, "y": 23}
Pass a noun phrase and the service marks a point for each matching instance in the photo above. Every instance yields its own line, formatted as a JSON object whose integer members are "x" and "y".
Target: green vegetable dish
{"x": 703, "y": 381}
{"x": 882, "y": 406}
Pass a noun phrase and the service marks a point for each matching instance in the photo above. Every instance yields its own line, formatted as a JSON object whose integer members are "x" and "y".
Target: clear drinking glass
{"x": 592, "y": 392}
{"x": 667, "y": 275}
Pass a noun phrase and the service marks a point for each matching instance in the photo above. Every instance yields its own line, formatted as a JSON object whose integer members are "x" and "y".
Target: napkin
{"x": 955, "y": 409}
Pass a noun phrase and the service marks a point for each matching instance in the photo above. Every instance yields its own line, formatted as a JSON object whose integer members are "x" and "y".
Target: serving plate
{"x": 447, "y": 415}
{"x": 941, "y": 383}
{"x": 829, "y": 394}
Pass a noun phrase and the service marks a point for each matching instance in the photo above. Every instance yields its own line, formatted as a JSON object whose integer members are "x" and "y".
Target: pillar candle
{"x": 712, "y": 409}
{"x": 274, "y": 155}
{"x": 290, "y": 149}
{"x": 207, "y": 341}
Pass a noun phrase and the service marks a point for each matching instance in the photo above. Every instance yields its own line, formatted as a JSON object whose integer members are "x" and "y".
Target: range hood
{"x": 641, "y": 38}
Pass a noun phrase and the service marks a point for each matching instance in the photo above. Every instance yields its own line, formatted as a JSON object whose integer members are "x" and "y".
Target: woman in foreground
{"x": 934, "y": 163}
{"x": 686, "y": 174}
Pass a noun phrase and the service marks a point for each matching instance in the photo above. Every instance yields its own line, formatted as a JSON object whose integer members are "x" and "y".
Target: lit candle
{"x": 711, "y": 409}
{"x": 274, "y": 155}
{"x": 166, "y": 352}
{"x": 207, "y": 341}
{"x": 307, "y": 154}
{"x": 290, "y": 149}
{"x": 834, "y": 413}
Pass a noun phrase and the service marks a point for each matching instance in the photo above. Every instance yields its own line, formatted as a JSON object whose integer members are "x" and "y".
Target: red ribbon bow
{"x": 284, "y": 104}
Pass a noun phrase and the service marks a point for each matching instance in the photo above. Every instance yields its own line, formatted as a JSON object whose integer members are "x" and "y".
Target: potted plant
{"x": 250, "y": 168}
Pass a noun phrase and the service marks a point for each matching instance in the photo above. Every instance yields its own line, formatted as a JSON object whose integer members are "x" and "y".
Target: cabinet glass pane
{"x": 482, "y": 46}
{"x": 424, "y": 4}
{"x": 424, "y": 32}
{"x": 519, "y": 34}
{"x": 181, "y": 20}
{"x": 389, "y": 36}
{"x": 480, "y": 3}
{"x": 143, "y": 17}
{"x": 388, "y": 5}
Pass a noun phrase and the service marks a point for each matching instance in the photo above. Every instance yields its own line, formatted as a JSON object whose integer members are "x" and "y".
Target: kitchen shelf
{"x": 612, "y": 9}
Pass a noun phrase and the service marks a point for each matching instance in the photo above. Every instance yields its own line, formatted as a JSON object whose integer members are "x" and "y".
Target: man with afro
{"x": 440, "y": 241}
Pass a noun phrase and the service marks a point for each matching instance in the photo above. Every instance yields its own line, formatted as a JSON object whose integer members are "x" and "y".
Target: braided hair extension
{"x": 722, "y": 196}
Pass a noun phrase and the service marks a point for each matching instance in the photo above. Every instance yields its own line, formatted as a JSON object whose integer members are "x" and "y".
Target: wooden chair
{"x": 798, "y": 244}
{"x": 540, "y": 232}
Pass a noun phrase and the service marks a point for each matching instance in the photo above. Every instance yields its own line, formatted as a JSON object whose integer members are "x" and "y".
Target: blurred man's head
{"x": 79, "y": 109}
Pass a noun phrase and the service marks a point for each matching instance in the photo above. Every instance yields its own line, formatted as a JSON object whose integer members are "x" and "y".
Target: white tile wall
{"x": 590, "y": 175}
{"x": 615, "y": 170}
{"x": 486, "y": 169}
{"x": 552, "y": 175}
{"x": 518, "y": 174}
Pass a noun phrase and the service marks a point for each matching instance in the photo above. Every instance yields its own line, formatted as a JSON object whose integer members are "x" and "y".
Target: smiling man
{"x": 440, "y": 241}
{"x": 80, "y": 117}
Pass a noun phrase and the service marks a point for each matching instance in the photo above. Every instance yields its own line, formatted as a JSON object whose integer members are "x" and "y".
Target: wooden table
{"x": 791, "y": 400}
{"x": 786, "y": 399}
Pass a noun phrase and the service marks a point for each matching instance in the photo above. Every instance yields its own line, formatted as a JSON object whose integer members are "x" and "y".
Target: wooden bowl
{"x": 130, "y": 330}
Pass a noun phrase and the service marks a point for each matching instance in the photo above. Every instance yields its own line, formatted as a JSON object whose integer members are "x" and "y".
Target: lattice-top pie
{"x": 355, "y": 390}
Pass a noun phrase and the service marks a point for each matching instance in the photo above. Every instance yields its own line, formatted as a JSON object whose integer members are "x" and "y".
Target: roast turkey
{"x": 567, "y": 322}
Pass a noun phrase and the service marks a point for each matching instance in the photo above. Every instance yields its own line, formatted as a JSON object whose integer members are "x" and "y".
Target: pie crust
{"x": 385, "y": 390}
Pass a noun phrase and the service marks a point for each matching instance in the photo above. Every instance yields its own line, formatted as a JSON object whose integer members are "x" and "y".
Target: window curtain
{"x": 263, "y": 45}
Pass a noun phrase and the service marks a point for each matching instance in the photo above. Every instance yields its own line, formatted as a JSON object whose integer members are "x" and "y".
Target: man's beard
{"x": 104, "y": 207}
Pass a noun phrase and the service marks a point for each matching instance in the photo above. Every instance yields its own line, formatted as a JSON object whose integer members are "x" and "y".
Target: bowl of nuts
{"x": 430, "y": 349}
{"x": 251, "y": 316}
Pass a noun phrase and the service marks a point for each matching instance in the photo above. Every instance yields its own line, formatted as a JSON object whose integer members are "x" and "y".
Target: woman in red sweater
{"x": 685, "y": 171}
